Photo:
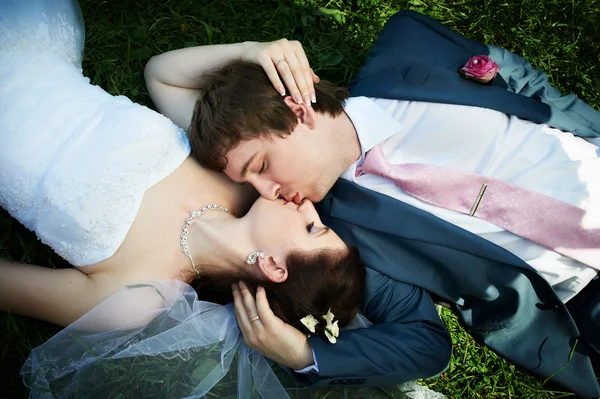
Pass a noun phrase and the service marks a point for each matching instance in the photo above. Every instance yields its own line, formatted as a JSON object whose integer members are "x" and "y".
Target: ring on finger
{"x": 279, "y": 61}
{"x": 252, "y": 320}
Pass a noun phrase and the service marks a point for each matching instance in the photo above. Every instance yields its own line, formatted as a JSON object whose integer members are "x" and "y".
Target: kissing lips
{"x": 297, "y": 199}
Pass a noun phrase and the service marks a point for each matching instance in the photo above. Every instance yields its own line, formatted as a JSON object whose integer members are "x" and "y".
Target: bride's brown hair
{"x": 317, "y": 282}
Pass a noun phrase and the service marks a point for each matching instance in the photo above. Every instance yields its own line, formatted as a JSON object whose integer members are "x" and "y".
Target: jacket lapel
{"x": 390, "y": 216}
{"x": 416, "y": 81}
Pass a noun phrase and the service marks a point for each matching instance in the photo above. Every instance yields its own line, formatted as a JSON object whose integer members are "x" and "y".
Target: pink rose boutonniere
{"x": 480, "y": 68}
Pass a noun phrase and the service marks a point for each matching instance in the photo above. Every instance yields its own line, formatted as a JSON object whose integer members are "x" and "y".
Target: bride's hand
{"x": 267, "y": 333}
{"x": 285, "y": 59}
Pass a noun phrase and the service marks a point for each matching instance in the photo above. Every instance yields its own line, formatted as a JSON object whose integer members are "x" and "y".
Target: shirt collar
{"x": 373, "y": 125}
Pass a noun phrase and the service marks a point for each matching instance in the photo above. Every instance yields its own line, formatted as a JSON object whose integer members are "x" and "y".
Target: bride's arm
{"x": 59, "y": 296}
{"x": 173, "y": 78}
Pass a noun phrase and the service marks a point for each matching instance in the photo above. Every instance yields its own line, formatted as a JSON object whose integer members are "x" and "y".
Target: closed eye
{"x": 310, "y": 226}
{"x": 263, "y": 167}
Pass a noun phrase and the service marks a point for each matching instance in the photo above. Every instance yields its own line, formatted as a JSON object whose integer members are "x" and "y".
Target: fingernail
{"x": 298, "y": 98}
{"x": 313, "y": 97}
{"x": 307, "y": 100}
{"x": 281, "y": 91}
{"x": 318, "y": 78}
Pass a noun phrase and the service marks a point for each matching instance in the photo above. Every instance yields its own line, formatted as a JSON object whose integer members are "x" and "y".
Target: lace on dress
{"x": 75, "y": 161}
{"x": 42, "y": 27}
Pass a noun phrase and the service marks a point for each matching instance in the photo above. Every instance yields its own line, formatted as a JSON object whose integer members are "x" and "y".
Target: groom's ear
{"x": 273, "y": 269}
{"x": 305, "y": 114}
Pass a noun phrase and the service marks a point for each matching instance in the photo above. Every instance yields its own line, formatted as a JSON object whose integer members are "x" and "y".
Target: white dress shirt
{"x": 490, "y": 143}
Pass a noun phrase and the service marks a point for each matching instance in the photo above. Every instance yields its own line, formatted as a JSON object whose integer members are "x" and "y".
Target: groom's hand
{"x": 268, "y": 334}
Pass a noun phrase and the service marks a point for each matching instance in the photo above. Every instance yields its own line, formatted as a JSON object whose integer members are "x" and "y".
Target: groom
{"x": 536, "y": 306}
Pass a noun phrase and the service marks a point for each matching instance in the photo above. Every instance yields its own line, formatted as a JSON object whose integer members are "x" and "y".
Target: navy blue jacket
{"x": 502, "y": 301}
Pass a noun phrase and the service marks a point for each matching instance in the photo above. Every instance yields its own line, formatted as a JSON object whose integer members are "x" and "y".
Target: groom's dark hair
{"x": 238, "y": 103}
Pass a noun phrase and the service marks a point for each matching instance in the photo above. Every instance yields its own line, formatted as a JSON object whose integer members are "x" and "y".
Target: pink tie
{"x": 536, "y": 217}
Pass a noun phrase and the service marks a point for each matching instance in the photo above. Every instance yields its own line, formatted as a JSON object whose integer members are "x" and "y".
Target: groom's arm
{"x": 452, "y": 50}
{"x": 569, "y": 113}
{"x": 407, "y": 341}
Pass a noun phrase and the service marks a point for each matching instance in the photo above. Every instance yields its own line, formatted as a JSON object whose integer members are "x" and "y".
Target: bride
{"x": 110, "y": 186}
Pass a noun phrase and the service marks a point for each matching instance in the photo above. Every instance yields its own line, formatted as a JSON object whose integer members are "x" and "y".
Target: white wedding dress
{"x": 75, "y": 161}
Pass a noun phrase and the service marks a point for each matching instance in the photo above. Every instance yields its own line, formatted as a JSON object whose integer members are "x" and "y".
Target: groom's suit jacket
{"x": 502, "y": 301}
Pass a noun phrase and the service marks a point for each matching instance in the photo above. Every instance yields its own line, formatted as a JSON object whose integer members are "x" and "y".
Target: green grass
{"x": 559, "y": 37}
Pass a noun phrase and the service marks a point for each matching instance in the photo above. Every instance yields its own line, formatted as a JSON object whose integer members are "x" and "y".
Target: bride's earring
{"x": 253, "y": 256}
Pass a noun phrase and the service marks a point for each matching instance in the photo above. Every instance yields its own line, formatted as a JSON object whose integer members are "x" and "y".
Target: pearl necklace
{"x": 189, "y": 222}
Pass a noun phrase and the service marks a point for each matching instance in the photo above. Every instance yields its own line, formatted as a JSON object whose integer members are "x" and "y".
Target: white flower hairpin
{"x": 332, "y": 330}
{"x": 309, "y": 322}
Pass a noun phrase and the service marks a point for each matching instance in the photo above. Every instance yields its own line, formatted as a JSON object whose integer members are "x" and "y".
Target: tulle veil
{"x": 157, "y": 340}
{"x": 153, "y": 339}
